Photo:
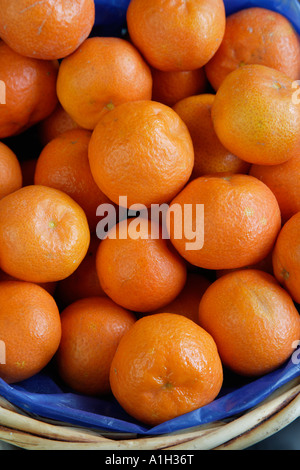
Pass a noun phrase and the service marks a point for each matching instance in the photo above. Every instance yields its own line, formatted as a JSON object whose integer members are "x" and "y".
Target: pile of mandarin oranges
{"x": 188, "y": 108}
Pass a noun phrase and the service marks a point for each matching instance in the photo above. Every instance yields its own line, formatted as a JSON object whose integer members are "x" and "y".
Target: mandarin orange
{"x": 239, "y": 227}
{"x": 30, "y": 328}
{"x": 46, "y": 29}
{"x": 165, "y": 366}
{"x": 91, "y": 331}
{"x": 253, "y": 321}
{"x": 88, "y": 88}
{"x": 143, "y": 151}
{"x": 175, "y": 35}
{"x": 246, "y": 112}
{"x": 137, "y": 270}
{"x": 44, "y": 234}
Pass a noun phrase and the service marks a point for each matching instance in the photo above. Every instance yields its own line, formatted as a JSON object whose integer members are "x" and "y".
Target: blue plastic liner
{"x": 111, "y": 14}
{"x": 45, "y": 396}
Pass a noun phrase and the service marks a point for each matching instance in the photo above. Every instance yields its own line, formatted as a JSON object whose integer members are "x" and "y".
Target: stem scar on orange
{"x": 165, "y": 365}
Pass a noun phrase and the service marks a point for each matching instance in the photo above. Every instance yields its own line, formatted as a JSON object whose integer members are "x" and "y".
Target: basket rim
{"x": 26, "y": 431}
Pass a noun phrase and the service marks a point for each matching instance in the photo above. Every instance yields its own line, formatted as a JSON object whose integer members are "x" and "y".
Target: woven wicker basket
{"x": 34, "y": 433}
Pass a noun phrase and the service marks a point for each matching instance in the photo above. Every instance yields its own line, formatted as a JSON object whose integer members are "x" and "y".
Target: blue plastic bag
{"x": 44, "y": 394}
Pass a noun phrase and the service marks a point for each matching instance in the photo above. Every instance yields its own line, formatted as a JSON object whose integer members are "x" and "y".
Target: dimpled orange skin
{"x": 44, "y": 234}
{"x": 241, "y": 221}
{"x": 256, "y": 36}
{"x": 103, "y": 73}
{"x": 30, "y": 328}
{"x": 168, "y": 365}
{"x": 286, "y": 259}
{"x": 176, "y": 35}
{"x": 48, "y": 29}
{"x": 253, "y": 321}
{"x": 141, "y": 150}
{"x": 139, "y": 274}
{"x": 30, "y": 91}
{"x": 91, "y": 331}
{"x": 245, "y": 115}
{"x": 11, "y": 177}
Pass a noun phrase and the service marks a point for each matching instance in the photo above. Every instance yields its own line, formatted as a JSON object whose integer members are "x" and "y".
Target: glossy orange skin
{"x": 241, "y": 221}
{"x": 88, "y": 88}
{"x": 63, "y": 164}
{"x": 171, "y": 87}
{"x": 84, "y": 282}
{"x": 176, "y": 35}
{"x": 44, "y": 234}
{"x": 284, "y": 181}
{"x": 30, "y": 328}
{"x": 256, "y": 36}
{"x": 91, "y": 331}
{"x": 46, "y": 30}
{"x": 30, "y": 88}
{"x": 211, "y": 157}
{"x": 286, "y": 260}
{"x": 10, "y": 171}
{"x": 245, "y": 115}
{"x": 141, "y": 150}
{"x": 253, "y": 321}
{"x": 140, "y": 274}
{"x": 165, "y": 366}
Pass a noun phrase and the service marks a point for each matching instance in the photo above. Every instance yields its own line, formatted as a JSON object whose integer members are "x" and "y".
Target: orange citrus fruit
{"x": 165, "y": 366}
{"x": 171, "y": 87}
{"x": 30, "y": 91}
{"x": 91, "y": 331}
{"x": 240, "y": 224}
{"x": 141, "y": 150}
{"x": 124, "y": 261}
{"x": 253, "y": 321}
{"x": 45, "y": 29}
{"x": 286, "y": 259}
{"x": 211, "y": 157}
{"x": 245, "y": 115}
{"x": 256, "y": 36}
{"x": 175, "y": 35}
{"x": 11, "y": 177}
{"x": 30, "y": 328}
{"x": 44, "y": 234}
{"x": 88, "y": 88}
{"x": 64, "y": 164}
